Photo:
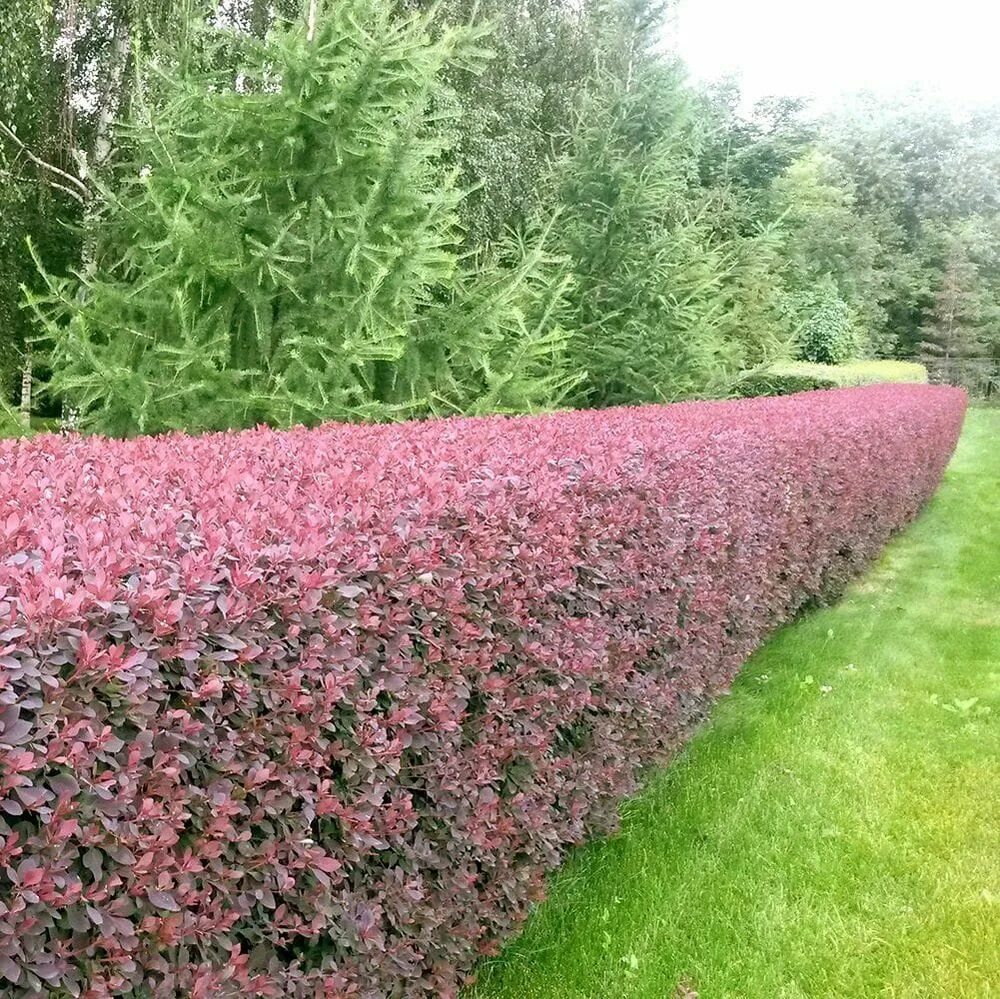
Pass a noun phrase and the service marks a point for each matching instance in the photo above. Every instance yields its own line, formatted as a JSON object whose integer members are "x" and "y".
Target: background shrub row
{"x": 312, "y": 713}
{"x": 789, "y": 377}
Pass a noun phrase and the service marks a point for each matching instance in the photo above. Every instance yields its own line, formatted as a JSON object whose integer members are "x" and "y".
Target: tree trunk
{"x": 103, "y": 146}
{"x": 120, "y": 47}
{"x": 67, "y": 112}
{"x": 26, "y": 381}
{"x": 258, "y": 18}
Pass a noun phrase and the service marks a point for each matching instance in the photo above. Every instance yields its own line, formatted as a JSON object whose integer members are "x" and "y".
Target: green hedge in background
{"x": 803, "y": 376}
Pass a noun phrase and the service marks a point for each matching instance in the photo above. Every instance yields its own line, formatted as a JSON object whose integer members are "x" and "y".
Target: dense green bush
{"x": 803, "y": 376}
{"x": 826, "y": 331}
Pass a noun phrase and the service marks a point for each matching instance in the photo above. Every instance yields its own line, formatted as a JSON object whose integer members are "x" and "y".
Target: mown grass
{"x": 835, "y": 830}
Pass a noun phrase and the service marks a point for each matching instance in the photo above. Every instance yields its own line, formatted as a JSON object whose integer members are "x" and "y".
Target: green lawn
{"x": 835, "y": 830}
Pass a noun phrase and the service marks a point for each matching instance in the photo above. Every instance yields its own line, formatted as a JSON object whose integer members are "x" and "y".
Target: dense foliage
{"x": 248, "y": 211}
{"x": 313, "y": 712}
{"x": 826, "y": 334}
{"x": 29, "y": 203}
{"x": 285, "y": 250}
{"x": 646, "y": 301}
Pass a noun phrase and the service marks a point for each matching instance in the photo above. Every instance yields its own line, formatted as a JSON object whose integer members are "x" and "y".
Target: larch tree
{"x": 954, "y": 330}
{"x": 279, "y": 245}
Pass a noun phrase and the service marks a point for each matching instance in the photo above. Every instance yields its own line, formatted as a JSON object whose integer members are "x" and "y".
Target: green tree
{"x": 39, "y": 190}
{"x": 915, "y": 167}
{"x": 68, "y": 69}
{"x": 827, "y": 240}
{"x": 747, "y": 153}
{"x": 758, "y": 312}
{"x": 647, "y": 302}
{"x": 953, "y": 330}
{"x": 283, "y": 249}
{"x": 512, "y": 117}
{"x": 959, "y": 337}
{"x": 740, "y": 158}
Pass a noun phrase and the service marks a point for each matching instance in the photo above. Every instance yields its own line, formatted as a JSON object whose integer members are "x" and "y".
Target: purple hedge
{"x": 313, "y": 713}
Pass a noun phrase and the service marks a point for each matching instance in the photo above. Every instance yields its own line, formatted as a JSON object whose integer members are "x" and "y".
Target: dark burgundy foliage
{"x": 313, "y": 713}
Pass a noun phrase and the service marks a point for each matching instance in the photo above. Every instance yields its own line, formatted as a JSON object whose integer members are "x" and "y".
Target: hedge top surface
{"x": 280, "y": 494}
{"x": 789, "y": 377}
{"x": 856, "y": 372}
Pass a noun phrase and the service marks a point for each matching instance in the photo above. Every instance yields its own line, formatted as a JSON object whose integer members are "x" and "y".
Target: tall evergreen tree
{"x": 647, "y": 299}
{"x": 513, "y": 118}
{"x": 273, "y": 249}
{"x": 954, "y": 330}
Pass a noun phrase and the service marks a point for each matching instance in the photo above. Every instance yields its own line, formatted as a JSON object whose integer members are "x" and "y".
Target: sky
{"x": 949, "y": 48}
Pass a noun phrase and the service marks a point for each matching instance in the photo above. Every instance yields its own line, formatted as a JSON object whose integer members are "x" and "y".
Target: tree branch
{"x": 75, "y": 195}
{"x": 81, "y": 192}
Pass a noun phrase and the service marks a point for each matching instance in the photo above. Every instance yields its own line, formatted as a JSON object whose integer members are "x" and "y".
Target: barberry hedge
{"x": 312, "y": 713}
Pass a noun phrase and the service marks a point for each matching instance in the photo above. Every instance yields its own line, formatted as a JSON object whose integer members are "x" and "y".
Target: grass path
{"x": 835, "y": 830}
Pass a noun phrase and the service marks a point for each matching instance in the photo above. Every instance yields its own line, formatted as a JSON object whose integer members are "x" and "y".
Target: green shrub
{"x": 826, "y": 334}
{"x": 803, "y": 376}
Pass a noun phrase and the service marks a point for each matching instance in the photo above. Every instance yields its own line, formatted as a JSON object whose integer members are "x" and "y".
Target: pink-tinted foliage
{"x": 312, "y": 713}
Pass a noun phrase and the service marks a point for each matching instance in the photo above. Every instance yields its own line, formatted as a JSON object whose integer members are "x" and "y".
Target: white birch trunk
{"x": 26, "y": 385}
{"x": 103, "y": 140}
